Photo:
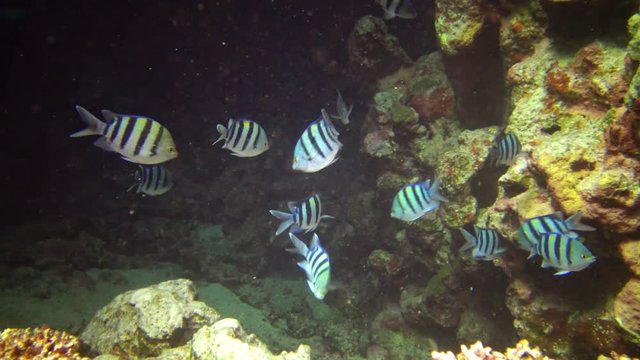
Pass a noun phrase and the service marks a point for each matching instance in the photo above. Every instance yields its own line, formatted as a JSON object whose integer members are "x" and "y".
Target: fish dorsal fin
{"x": 109, "y": 115}
{"x": 315, "y": 241}
{"x": 327, "y": 118}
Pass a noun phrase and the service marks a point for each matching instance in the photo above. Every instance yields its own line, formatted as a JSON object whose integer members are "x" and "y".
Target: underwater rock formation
{"x": 457, "y": 24}
{"x": 165, "y": 321}
{"x": 39, "y": 343}
{"x": 373, "y": 52}
{"x": 146, "y": 321}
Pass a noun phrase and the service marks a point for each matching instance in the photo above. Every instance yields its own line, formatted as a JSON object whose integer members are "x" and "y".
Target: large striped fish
{"x": 315, "y": 265}
{"x": 317, "y": 147}
{"x": 415, "y": 200}
{"x": 505, "y": 149}
{"x": 486, "y": 243}
{"x": 244, "y": 138}
{"x": 152, "y": 180}
{"x": 563, "y": 253}
{"x": 304, "y": 216}
{"x": 138, "y": 139}
{"x": 532, "y": 229}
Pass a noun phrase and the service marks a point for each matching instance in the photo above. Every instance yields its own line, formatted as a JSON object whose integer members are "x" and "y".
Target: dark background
{"x": 189, "y": 65}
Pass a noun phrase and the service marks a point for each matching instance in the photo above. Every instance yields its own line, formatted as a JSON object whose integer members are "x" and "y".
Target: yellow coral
{"x": 39, "y": 343}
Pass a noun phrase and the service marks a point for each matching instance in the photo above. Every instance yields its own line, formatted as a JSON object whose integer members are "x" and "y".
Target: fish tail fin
{"x": 299, "y": 247}
{"x": 573, "y": 223}
{"x": 286, "y": 218}
{"x": 406, "y": 10}
{"x": 434, "y": 191}
{"x": 95, "y": 126}
{"x": 223, "y": 133}
{"x": 470, "y": 239}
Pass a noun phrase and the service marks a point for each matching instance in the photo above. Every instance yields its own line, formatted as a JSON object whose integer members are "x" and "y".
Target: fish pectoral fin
{"x": 101, "y": 142}
{"x": 327, "y": 217}
{"x": 562, "y": 272}
{"x": 545, "y": 264}
{"x": 126, "y": 158}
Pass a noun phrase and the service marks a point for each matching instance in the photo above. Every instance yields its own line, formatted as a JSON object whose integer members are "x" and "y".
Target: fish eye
{"x": 171, "y": 149}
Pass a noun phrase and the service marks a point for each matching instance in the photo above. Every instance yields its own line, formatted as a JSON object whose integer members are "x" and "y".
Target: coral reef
{"x": 373, "y": 52}
{"x": 39, "y": 343}
{"x": 477, "y": 351}
{"x": 457, "y": 24}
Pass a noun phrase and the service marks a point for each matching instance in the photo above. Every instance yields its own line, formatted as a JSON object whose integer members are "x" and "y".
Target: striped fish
{"x": 563, "y": 253}
{"x": 317, "y": 147}
{"x": 304, "y": 216}
{"x": 137, "y": 139}
{"x": 505, "y": 149}
{"x": 486, "y": 243}
{"x": 315, "y": 265}
{"x": 244, "y": 138}
{"x": 415, "y": 200}
{"x": 152, "y": 180}
{"x": 532, "y": 229}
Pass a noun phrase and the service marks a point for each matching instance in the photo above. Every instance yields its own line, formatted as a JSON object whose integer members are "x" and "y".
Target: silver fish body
{"x": 317, "y": 147}
{"x": 316, "y": 264}
{"x": 243, "y": 137}
{"x": 302, "y": 217}
{"x": 415, "y": 200}
{"x": 138, "y": 139}
{"x": 152, "y": 180}
{"x": 563, "y": 253}
{"x": 485, "y": 244}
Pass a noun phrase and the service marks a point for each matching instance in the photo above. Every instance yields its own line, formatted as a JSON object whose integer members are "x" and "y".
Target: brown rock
{"x": 626, "y": 306}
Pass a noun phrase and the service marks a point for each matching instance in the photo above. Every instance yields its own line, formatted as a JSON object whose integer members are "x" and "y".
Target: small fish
{"x": 152, "y": 180}
{"x": 505, "y": 149}
{"x": 563, "y": 253}
{"x": 532, "y": 229}
{"x": 398, "y": 8}
{"x": 317, "y": 147}
{"x": 244, "y": 138}
{"x": 415, "y": 200}
{"x": 343, "y": 111}
{"x": 304, "y": 216}
{"x": 137, "y": 139}
{"x": 486, "y": 243}
{"x": 316, "y": 264}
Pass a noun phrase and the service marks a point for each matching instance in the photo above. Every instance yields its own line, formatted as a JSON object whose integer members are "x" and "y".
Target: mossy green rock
{"x": 633, "y": 26}
{"x": 144, "y": 322}
{"x": 458, "y": 23}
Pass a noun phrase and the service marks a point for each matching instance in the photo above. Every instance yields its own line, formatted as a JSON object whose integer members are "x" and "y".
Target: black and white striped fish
{"x": 563, "y": 253}
{"x": 415, "y": 200}
{"x": 138, "y": 139}
{"x": 486, "y": 243}
{"x": 316, "y": 264}
{"x": 243, "y": 137}
{"x": 397, "y": 8}
{"x": 152, "y": 180}
{"x": 532, "y": 229}
{"x": 505, "y": 149}
{"x": 304, "y": 216}
{"x": 317, "y": 147}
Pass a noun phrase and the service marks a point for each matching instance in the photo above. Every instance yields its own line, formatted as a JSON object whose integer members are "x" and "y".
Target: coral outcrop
{"x": 477, "y": 351}
{"x": 164, "y": 321}
{"x": 39, "y": 343}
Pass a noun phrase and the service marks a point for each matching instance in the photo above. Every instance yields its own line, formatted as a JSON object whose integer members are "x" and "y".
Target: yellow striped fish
{"x": 138, "y": 139}
{"x": 243, "y": 137}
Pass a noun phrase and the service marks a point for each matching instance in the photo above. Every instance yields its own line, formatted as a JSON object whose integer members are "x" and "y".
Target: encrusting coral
{"x": 39, "y": 343}
{"x": 477, "y": 351}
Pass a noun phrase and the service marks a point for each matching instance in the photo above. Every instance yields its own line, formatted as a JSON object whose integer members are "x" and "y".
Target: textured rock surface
{"x": 226, "y": 339}
{"x": 457, "y": 24}
{"x": 373, "y": 52}
{"x": 142, "y": 323}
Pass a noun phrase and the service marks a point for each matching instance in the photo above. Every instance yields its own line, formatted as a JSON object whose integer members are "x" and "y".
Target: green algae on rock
{"x": 457, "y": 24}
